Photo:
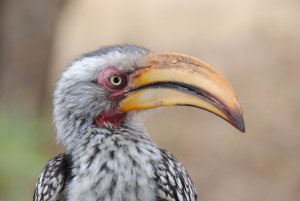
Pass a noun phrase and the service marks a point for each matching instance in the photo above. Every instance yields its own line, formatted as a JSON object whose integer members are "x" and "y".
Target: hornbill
{"x": 109, "y": 156}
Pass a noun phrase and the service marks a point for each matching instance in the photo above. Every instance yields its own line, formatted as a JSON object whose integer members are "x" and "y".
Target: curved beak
{"x": 166, "y": 79}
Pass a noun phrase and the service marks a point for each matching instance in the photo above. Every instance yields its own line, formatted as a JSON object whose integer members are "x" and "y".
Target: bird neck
{"x": 107, "y": 156}
{"x": 128, "y": 132}
{"x": 74, "y": 131}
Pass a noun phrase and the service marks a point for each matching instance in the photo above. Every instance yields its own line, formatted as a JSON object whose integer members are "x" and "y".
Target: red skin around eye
{"x": 115, "y": 117}
{"x": 103, "y": 81}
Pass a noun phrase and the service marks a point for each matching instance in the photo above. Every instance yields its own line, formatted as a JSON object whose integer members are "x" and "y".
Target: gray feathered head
{"x": 100, "y": 88}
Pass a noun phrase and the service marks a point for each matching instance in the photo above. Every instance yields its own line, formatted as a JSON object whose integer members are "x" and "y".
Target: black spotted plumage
{"x": 51, "y": 182}
{"x": 173, "y": 182}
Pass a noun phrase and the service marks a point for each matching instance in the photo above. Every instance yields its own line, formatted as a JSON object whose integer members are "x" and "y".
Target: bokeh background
{"x": 254, "y": 43}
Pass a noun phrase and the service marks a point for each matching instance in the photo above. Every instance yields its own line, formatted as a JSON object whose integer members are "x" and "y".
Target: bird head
{"x": 104, "y": 87}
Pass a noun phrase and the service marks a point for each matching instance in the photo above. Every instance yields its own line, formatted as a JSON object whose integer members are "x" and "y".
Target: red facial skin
{"x": 115, "y": 117}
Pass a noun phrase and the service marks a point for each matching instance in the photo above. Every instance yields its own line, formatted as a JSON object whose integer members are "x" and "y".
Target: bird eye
{"x": 117, "y": 81}
{"x": 112, "y": 79}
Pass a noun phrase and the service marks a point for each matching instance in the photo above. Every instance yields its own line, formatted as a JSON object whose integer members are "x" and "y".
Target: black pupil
{"x": 117, "y": 80}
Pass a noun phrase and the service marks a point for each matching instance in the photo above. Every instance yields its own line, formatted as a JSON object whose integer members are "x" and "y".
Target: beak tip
{"x": 240, "y": 124}
{"x": 242, "y": 128}
{"x": 236, "y": 119}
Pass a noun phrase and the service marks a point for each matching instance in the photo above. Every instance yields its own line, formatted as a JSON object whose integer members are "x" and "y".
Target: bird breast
{"x": 114, "y": 166}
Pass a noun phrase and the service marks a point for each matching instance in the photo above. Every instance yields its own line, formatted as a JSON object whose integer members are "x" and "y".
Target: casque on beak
{"x": 167, "y": 79}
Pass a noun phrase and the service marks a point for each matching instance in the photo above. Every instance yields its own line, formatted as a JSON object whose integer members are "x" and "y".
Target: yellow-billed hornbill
{"x": 108, "y": 155}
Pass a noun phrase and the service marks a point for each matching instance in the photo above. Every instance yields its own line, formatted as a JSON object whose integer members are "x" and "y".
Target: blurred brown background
{"x": 255, "y": 44}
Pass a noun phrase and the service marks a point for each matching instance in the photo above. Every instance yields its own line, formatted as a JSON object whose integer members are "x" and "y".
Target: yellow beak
{"x": 167, "y": 79}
